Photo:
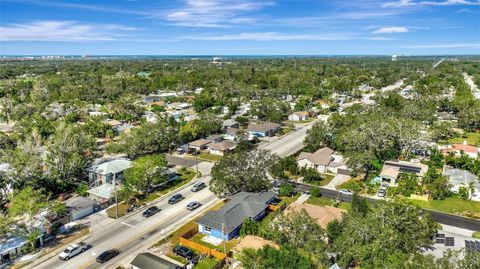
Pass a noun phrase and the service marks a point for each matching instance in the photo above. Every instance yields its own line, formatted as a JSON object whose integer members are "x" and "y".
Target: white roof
{"x": 113, "y": 166}
{"x": 103, "y": 191}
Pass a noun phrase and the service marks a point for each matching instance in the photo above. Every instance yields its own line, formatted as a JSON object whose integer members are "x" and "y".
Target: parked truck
{"x": 72, "y": 251}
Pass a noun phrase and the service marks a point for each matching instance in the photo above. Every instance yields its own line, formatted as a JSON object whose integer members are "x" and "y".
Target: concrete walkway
{"x": 337, "y": 180}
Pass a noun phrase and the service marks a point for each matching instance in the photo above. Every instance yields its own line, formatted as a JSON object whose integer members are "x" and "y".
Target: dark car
{"x": 107, "y": 255}
{"x": 184, "y": 252}
{"x": 175, "y": 199}
{"x": 198, "y": 186}
{"x": 193, "y": 205}
{"x": 151, "y": 211}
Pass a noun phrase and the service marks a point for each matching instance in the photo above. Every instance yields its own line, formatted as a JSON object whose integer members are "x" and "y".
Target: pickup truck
{"x": 73, "y": 250}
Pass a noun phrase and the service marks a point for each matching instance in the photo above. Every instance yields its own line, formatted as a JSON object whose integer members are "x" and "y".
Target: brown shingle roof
{"x": 200, "y": 142}
{"x": 222, "y": 146}
{"x": 262, "y": 126}
{"x": 322, "y": 156}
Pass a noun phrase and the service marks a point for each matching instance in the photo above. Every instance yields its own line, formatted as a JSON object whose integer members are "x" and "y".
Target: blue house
{"x": 226, "y": 222}
{"x": 262, "y": 129}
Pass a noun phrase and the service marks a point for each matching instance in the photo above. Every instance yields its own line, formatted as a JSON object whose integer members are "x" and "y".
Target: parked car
{"x": 384, "y": 186}
{"x": 151, "y": 211}
{"x": 72, "y": 251}
{"x": 381, "y": 192}
{"x": 175, "y": 199}
{"x": 107, "y": 255}
{"x": 184, "y": 252}
{"x": 345, "y": 192}
{"x": 181, "y": 150}
{"x": 193, "y": 205}
{"x": 198, "y": 186}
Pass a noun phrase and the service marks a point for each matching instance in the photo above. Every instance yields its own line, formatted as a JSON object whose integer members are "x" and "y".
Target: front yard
{"x": 452, "y": 205}
{"x": 325, "y": 180}
{"x": 203, "y": 156}
{"x": 322, "y": 201}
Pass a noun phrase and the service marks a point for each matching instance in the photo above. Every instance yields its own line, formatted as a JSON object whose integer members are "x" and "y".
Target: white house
{"x": 324, "y": 161}
{"x": 298, "y": 116}
{"x": 462, "y": 178}
{"x": 220, "y": 148}
{"x": 391, "y": 170}
{"x": 104, "y": 175}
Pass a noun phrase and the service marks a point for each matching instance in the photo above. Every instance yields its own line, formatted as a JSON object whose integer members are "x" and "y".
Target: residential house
{"x": 11, "y": 249}
{"x": 148, "y": 260}
{"x": 323, "y": 104}
{"x": 113, "y": 123}
{"x": 80, "y": 207}
{"x": 200, "y": 144}
{"x": 6, "y": 128}
{"x": 446, "y": 116}
{"x": 178, "y": 106}
{"x": 150, "y": 116}
{"x": 225, "y": 223}
{"x": 233, "y": 134}
{"x": 462, "y": 178}
{"x": 220, "y": 148}
{"x": 103, "y": 175}
{"x": 123, "y": 128}
{"x": 4, "y": 169}
{"x": 392, "y": 169}
{"x": 299, "y": 116}
{"x": 262, "y": 129}
{"x": 457, "y": 149}
{"x": 324, "y": 161}
{"x": 230, "y": 123}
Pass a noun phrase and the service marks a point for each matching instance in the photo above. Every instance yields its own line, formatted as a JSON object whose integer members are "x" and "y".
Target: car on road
{"x": 175, "y": 199}
{"x": 107, "y": 255}
{"x": 193, "y": 205}
{"x": 151, "y": 211}
{"x": 198, "y": 186}
{"x": 184, "y": 252}
{"x": 345, "y": 192}
{"x": 72, "y": 251}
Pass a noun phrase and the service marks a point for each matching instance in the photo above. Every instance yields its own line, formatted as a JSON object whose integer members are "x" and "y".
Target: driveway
{"x": 337, "y": 180}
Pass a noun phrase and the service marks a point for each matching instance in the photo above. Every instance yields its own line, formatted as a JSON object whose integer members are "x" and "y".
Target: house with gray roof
{"x": 225, "y": 223}
{"x": 262, "y": 129}
{"x": 462, "y": 178}
{"x": 103, "y": 175}
{"x": 148, "y": 260}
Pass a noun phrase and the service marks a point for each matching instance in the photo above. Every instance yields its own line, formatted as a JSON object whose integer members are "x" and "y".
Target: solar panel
{"x": 440, "y": 241}
{"x": 440, "y": 235}
{"x": 472, "y": 246}
{"x": 449, "y": 241}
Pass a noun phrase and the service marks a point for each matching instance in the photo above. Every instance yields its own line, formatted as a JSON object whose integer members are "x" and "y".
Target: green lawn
{"x": 205, "y": 157}
{"x": 207, "y": 263}
{"x": 452, "y": 205}
{"x": 322, "y": 201}
{"x": 186, "y": 175}
{"x": 122, "y": 210}
{"x": 476, "y": 235}
{"x": 472, "y": 138}
{"x": 322, "y": 182}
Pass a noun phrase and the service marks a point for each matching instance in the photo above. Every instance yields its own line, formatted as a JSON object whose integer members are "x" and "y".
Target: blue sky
{"x": 239, "y": 27}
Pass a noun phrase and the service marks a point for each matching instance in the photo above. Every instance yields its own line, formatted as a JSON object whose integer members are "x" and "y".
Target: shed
{"x": 80, "y": 207}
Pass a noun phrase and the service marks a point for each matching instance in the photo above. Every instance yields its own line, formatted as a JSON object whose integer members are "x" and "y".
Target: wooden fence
{"x": 185, "y": 241}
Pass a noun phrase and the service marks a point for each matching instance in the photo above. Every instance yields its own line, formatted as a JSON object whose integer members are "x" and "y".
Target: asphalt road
{"x": 131, "y": 232}
{"x": 290, "y": 143}
{"x": 442, "y": 218}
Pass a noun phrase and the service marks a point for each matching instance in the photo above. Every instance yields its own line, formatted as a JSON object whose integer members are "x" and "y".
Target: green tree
{"x": 147, "y": 172}
{"x": 245, "y": 171}
{"x": 464, "y": 193}
{"x": 249, "y": 227}
{"x": 316, "y": 137}
{"x": 287, "y": 189}
{"x": 408, "y": 184}
{"x": 270, "y": 257}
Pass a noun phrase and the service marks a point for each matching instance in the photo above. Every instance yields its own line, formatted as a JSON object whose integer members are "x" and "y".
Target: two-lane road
{"x": 133, "y": 231}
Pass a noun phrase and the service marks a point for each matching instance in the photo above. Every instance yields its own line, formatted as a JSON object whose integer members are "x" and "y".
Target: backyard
{"x": 472, "y": 138}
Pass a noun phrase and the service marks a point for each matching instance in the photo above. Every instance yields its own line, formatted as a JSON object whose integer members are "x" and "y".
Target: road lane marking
{"x": 127, "y": 224}
{"x": 153, "y": 227}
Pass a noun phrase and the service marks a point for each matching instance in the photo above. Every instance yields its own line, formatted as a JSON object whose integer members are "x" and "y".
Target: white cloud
{"x": 61, "y": 31}
{"x": 276, "y": 36}
{"x": 214, "y": 13}
{"x": 390, "y": 30}
{"x": 406, "y": 3}
{"x": 446, "y": 46}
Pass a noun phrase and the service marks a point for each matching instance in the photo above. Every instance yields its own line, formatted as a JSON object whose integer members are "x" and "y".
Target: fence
{"x": 185, "y": 241}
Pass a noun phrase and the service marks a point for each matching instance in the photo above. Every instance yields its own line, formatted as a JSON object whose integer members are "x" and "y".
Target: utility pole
{"x": 115, "y": 193}
{"x": 224, "y": 240}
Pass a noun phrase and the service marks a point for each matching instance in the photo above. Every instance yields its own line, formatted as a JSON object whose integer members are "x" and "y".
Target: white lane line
{"x": 126, "y": 224}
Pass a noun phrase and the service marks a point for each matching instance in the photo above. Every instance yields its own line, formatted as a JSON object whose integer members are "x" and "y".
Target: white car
{"x": 73, "y": 250}
{"x": 345, "y": 192}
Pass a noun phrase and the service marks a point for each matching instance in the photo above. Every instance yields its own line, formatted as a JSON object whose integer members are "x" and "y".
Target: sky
{"x": 239, "y": 27}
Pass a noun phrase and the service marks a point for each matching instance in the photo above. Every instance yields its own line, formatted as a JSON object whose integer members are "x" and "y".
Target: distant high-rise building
{"x": 394, "y": 58}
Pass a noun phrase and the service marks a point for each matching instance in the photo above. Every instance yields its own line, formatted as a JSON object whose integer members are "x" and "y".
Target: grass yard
{"x": 453, "y": 205}
{"x": 476, "y": 235}
{"x": 207, "y": 263}
{"x": 122, "y": 210}
{"x": 352, "y": 184}
{"x": 186, "y": 175}
{"x": 322, "y": 201}
{"x": 473, "y": 138}
{"x": 210, "y": 157}
{"x": 322, "y": 182}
